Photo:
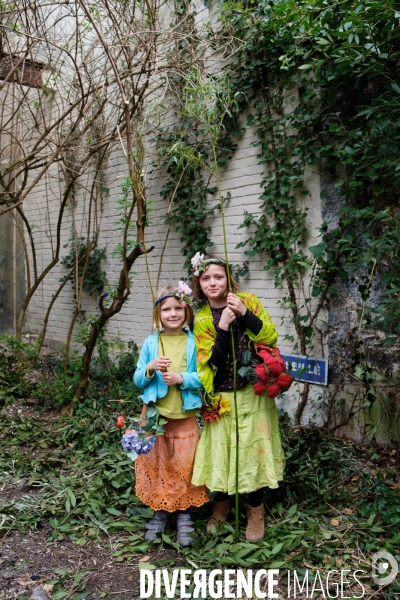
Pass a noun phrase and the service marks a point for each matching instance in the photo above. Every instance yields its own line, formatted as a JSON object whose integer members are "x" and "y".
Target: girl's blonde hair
{"x": 169, "y": 289}
{"x": 198, "y": 293}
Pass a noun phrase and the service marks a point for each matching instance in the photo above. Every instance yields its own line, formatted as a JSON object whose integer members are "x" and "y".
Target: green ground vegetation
{"x": 338, "y": 503}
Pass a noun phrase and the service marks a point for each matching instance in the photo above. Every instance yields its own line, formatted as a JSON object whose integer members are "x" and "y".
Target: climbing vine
{"x": 185, "y": 151}
{"x": 324, "y": 93}
{"x": 89, "y": 271}
{"x": 319, "y": 84}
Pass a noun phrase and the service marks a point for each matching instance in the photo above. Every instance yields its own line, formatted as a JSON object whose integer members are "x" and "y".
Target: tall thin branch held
{"x": 233, "y": 350}
{"x": 173, "y": 196}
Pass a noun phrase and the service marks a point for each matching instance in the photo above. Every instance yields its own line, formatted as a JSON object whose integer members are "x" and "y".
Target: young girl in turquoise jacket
{"x": 163, "y": 476}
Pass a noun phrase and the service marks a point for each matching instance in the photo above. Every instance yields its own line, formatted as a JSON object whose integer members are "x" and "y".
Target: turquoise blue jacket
{"x": 155, "y": 387}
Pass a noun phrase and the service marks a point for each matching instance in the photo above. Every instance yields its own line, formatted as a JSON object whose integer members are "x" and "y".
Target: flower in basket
{"x": 217, "y": 407}
{"x": 266, "y": 376}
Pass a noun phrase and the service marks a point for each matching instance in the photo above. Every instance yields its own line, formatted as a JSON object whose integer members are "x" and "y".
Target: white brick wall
{"x": 242, "y": 178}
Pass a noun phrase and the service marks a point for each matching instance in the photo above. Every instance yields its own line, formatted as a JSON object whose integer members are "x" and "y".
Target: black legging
{"x": 255, "y": 498}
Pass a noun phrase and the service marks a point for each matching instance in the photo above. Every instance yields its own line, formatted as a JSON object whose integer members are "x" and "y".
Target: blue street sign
{"x": 313, "y": 370}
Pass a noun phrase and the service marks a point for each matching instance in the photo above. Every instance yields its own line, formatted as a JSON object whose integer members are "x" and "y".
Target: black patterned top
{"x": 221, "y": 356}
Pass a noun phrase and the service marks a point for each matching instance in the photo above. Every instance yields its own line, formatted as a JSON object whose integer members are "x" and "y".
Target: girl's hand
{"x": 235, "y": 304}
{"x": 227, "y": 318}
{"x": 161, "y": 363}
{"x": 172, "y": 378}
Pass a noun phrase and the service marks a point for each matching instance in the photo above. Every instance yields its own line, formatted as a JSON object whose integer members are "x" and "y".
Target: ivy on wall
{"x": 185, "y": 152}
{"x": 189, "y": 189}
{"x": 323, "y": 78}
{"x": 322, "y": 84}
{"x": 190, "y": 195}
{"x": 89, "y": 270}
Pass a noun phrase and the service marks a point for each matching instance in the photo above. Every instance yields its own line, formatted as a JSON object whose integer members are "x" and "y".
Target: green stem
{"x": 138, "y": 188}
{"x": 228, "y": 272}
{"x": 154, "y": 300}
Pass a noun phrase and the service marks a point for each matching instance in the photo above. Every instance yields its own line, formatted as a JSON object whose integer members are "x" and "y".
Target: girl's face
{"x": 172, "y": 315}
{"x": 214, "y": 284}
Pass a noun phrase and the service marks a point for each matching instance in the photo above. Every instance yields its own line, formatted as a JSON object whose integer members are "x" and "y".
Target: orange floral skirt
{"x": 163, "y": 476}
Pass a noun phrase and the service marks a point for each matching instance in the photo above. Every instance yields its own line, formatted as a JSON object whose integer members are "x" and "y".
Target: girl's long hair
{"x": 198, "y": 293}
{"x": 157, "y": 309}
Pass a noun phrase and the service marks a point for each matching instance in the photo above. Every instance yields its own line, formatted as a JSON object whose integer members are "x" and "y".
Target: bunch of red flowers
{"x": 216, "y": 407}
{"x": 209, "y": 413}
{"x": 271, "y": 373}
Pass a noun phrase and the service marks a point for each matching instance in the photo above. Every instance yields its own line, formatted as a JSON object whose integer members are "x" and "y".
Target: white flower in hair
{"x": 197, "y": 261}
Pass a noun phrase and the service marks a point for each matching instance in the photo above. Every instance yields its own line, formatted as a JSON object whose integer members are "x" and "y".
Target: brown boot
{"x": 255, "y": 523}
{"x": 219, "y": 514}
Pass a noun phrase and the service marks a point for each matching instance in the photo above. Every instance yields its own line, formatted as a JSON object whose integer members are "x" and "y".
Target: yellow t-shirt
{"x": 171, "y": 405}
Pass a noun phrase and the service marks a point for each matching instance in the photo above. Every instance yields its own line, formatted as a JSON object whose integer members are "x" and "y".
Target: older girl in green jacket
{"x": 261, "y": 458}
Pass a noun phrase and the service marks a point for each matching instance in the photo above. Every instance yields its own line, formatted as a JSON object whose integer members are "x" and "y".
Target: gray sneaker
{"x": 184, "y": 524}
{"x": 156, "y": 525}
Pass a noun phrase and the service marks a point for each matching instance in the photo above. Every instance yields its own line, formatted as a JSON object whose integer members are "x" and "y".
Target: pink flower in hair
{"x": 184, "y": 289}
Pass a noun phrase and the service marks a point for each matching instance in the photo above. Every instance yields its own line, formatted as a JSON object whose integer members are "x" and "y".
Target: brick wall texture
{"x": 242, "y": 178}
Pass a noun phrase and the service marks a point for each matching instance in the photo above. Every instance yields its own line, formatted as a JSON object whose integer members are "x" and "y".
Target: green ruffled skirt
{"x": 261, "y": 458}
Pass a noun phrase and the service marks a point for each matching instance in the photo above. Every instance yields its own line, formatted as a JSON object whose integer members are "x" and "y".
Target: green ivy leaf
{"x": 319, "y": 250}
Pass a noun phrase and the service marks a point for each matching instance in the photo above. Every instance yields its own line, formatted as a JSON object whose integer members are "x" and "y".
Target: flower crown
{"x": 182, "y": 293}
{"x": 200, "y": 264}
